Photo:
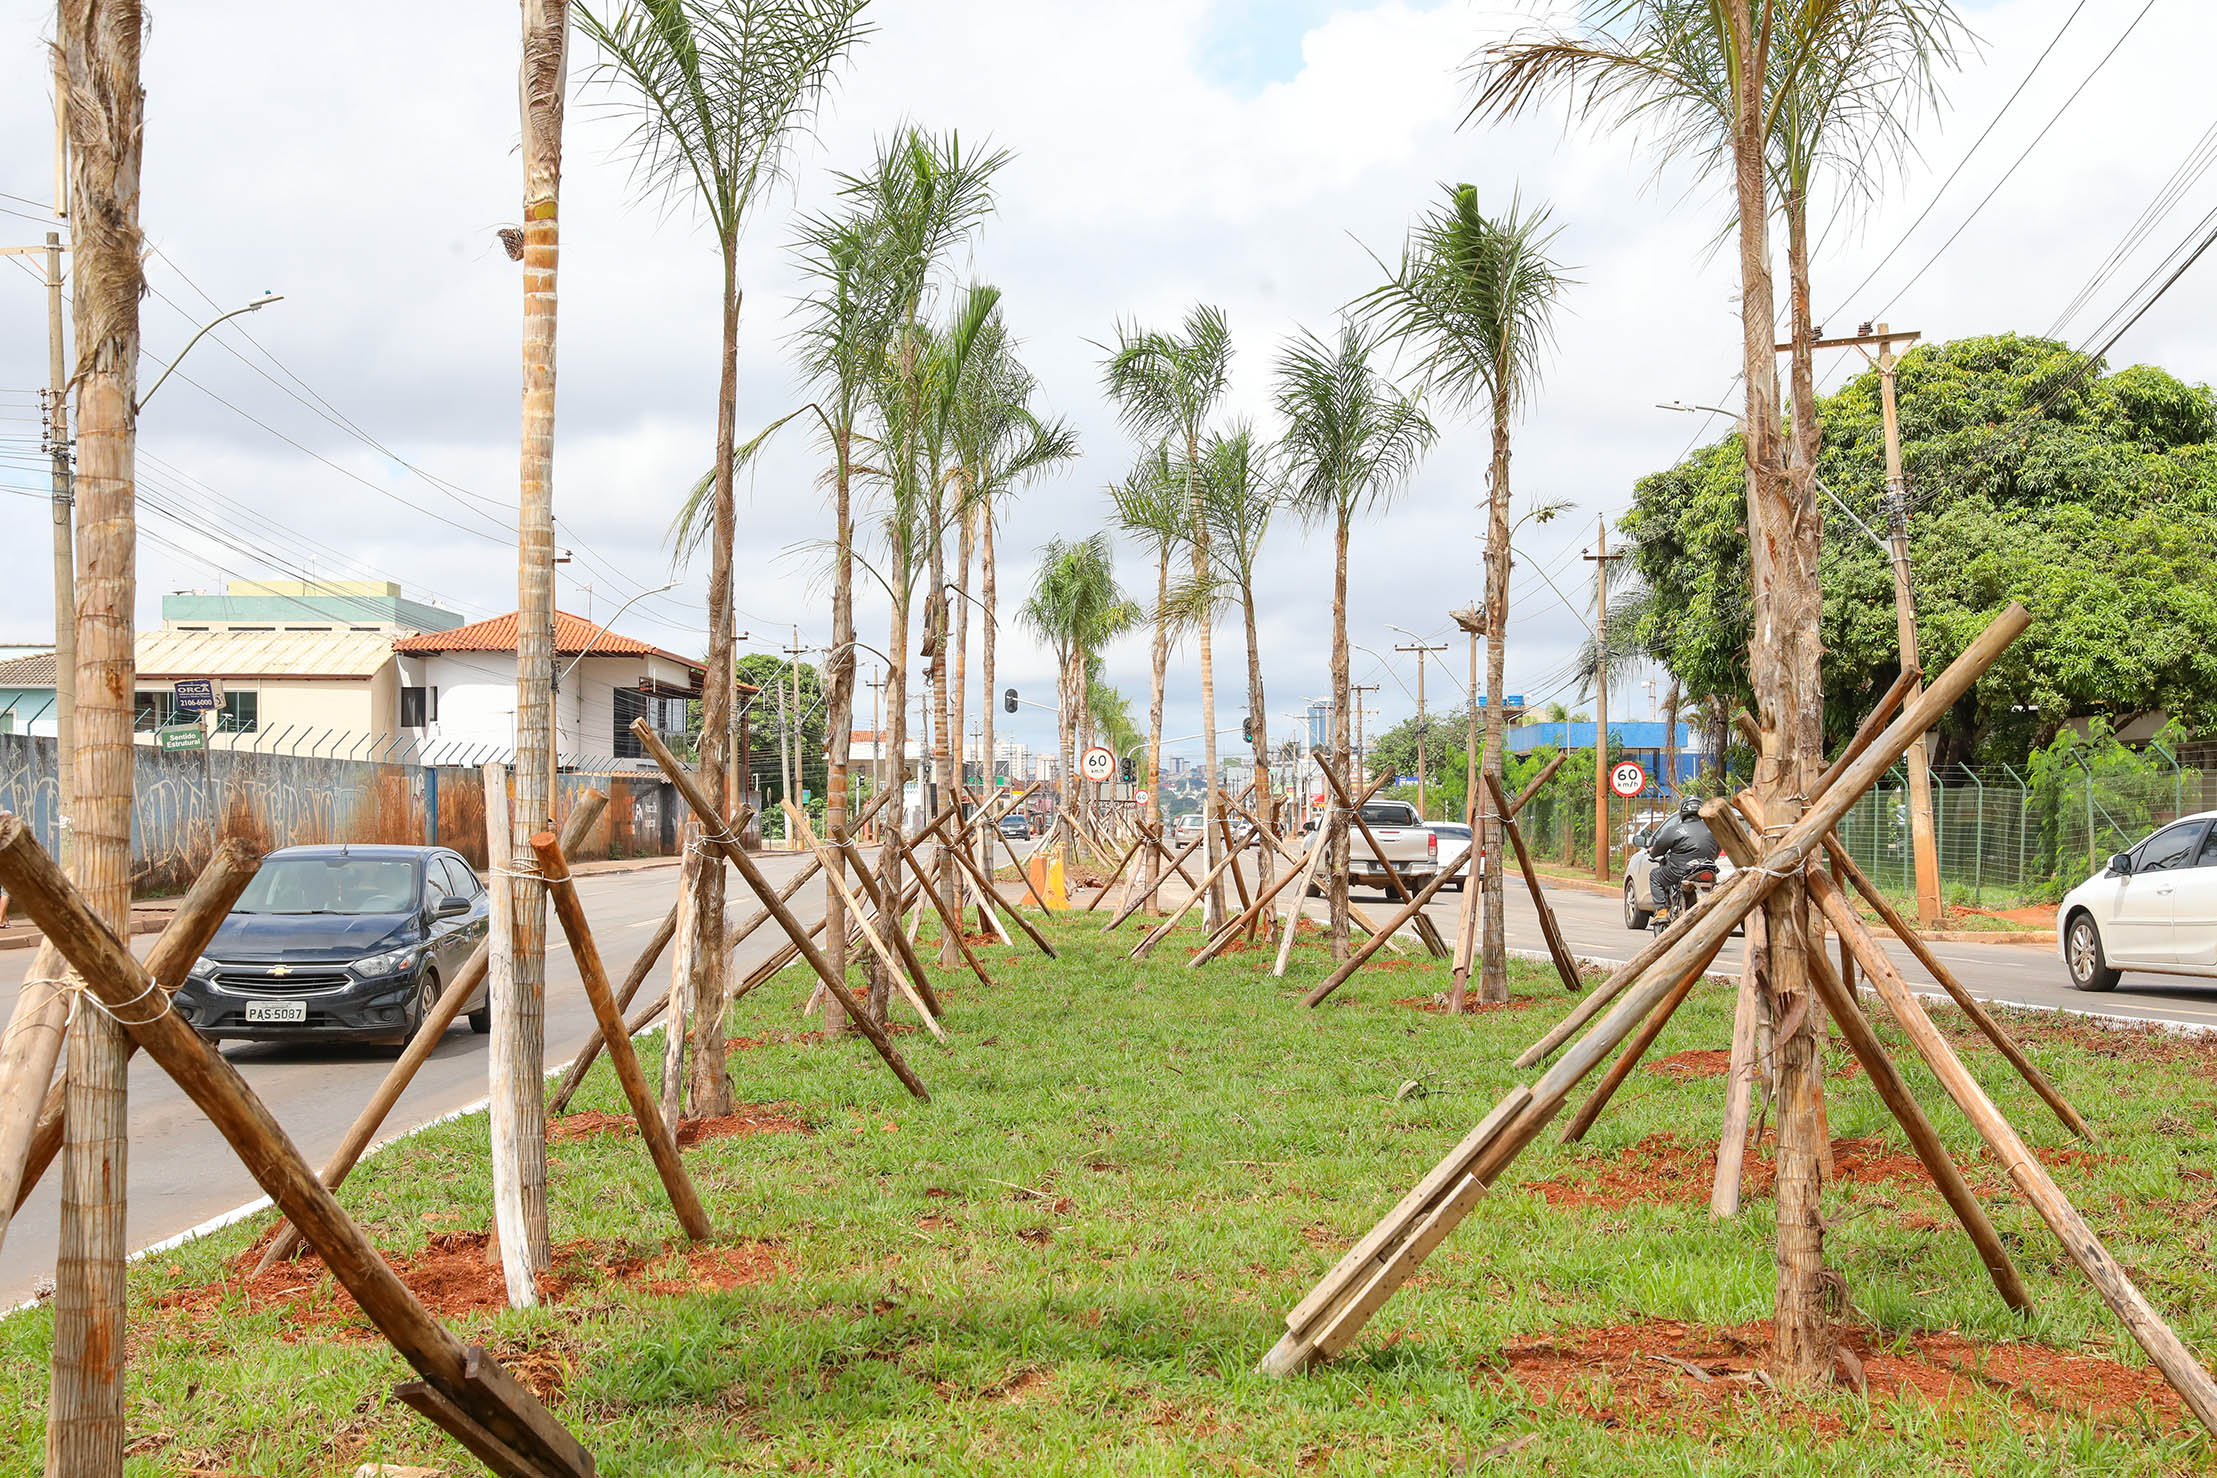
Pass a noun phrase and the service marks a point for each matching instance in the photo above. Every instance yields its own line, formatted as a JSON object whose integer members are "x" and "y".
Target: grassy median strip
{"x": 1072, "y": 1259}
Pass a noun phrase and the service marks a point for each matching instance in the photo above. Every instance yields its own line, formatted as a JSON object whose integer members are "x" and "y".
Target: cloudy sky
{"x": 1248, "y": 153}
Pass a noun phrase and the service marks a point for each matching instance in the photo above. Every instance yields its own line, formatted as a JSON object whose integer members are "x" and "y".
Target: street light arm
{"x": 588, "y": 649}
{"x": 140, "y": 403}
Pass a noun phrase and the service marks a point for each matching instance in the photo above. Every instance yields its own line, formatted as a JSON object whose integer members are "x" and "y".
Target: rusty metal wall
{"x": 185, "y": 802}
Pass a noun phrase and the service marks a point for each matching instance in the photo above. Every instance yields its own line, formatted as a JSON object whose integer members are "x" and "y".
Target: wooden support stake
{"x": 1121, "y": 863}
{"x": 1966, "y": 1002}
{"x": 902, "y": 968}
{"x": 1369, "y": 947}
{"x": 214, "y": 1085}
{"x": 1355, "y": 913}
{"x": 993, "y": 895}
{"x": 555, "y": 868}
{"x": 1426, "y": 930}
{"x": 636, "y": 977}
{"x": 1532, "y": 787}
{"x": 1307, "y": 873}
{"x": 1693, "y": 939}
{"x": 199, "y": 914}
{"x": 1161, "y": 931}
{"x": 1840, "y": 1002}
{"x": 950, "y": 919}
{"x": 1550, "y": 930}
{"x": 1739, "y": 1099}
{"x": 712, "y": 826}
{"x": 1629, "y": 1059}
{"x": 1874, "y": 723}
{"x": 2117, "y": 1289}
{"x": 418, "y": 1051}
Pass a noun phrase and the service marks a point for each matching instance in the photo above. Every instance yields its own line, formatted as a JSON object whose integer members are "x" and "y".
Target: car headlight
{"x": 202, "y": 969}
{"x": 392, "y": 962}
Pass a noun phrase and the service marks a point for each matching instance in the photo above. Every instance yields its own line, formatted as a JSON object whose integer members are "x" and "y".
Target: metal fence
{"x": 184, "y": 802}
{"x": 2004, "y": 838}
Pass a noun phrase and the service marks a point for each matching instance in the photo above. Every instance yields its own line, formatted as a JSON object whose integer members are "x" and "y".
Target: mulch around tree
{"x": 1697, "y": 1377}
{"x": 1436, "y": 1004}
{"x": 1664, "y": 1168}
{"x": 749, "y": 1118}
{"x": 458, "y": 1274}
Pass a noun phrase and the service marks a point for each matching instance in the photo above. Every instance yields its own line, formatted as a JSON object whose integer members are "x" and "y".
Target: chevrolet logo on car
{"x": 280, "y": 970}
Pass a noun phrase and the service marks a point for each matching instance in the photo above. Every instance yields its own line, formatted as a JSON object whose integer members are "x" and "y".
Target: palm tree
{"x": 1164, "y": 386}
{"x": 1240, "y": 495}
{"x": 1351, "y": 440}
{"x": 1150, "y": 504}
{"x": 1757, "y": 87}
{"x": 723, "y": 89}
{"x": 1076, "y": 608}
{"x": 1472, "y": 299}
{"x": 517, "y": 994}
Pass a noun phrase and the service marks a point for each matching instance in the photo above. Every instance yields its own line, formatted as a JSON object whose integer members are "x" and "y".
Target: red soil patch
{"x": 1436, "y": 1005}
{"x": 1683, "y": 1067}
{"x": 748, "y": 1119}
{"x": 805, "y": 1039}
{"x": 1682, "y": 1376}
{"x": 457, "y": 1274}
{"x": 1665, "y": 1168}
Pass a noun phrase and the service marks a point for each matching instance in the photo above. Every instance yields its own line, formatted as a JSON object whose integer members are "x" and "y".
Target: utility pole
{"x": 1357, "y": 691}
{"x": 1601, "y": 558}
{"x": 1421, "y": 650}
{"x": 1922, "y": 839}
{"x": 1923, "y": 843}
{"x": 65, "y": 557}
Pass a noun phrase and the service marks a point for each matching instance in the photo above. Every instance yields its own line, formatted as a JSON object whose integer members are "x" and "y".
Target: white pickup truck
{"x": 1409, "y": 847}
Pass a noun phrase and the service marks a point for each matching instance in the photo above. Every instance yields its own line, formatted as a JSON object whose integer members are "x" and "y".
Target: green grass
{"x": 1071, "y": 1260}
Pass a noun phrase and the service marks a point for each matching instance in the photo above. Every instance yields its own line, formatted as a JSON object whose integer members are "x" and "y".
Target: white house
{"x": 457, "y": 689}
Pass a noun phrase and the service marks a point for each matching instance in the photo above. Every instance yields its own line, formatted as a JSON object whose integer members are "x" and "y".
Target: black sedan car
{"x": 341, "y": 943}
{"x": 1015, "y": 827}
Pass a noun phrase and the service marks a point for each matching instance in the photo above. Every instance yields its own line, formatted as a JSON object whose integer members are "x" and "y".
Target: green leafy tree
{"x": 2090, "y": 498}
{"x": 1076, "y": 608}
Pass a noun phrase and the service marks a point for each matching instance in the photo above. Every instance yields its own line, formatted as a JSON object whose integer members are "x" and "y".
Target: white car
{"x": 2153, "y": 908}
{"x": 1454, "y": 839}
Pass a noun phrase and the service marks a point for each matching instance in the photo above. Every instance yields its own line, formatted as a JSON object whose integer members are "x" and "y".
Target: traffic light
{"x": 1131, "y": 769}
{"x": 1008, "y": 700}
{"x": 1247, "y": 728}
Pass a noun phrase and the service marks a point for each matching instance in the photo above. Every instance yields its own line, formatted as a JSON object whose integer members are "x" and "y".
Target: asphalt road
{"x": 180, "y": 1171}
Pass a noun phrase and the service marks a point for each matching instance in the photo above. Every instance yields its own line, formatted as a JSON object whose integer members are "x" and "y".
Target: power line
{"x": 2189, "y": 172}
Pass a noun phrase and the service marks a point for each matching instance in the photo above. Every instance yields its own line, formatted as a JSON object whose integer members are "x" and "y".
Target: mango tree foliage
{"x": 2034, "y": 477}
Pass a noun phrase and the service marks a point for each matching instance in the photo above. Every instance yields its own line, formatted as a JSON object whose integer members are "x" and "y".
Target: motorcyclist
{"x": 1679, "y": 846}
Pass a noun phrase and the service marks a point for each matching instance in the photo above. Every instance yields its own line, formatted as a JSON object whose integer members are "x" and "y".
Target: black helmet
{"x": 1690, "y": 806}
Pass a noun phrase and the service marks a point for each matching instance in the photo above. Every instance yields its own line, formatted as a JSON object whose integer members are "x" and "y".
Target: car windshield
{"x": 345, "y": 885}
{"x": 1390, "y": 813}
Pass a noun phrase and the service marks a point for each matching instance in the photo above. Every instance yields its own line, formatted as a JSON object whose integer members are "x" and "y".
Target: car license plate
{"x": 276, "y": 1012}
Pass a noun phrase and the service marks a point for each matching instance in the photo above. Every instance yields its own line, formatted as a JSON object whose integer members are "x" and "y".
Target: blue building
{"x": 1644, "y": 742}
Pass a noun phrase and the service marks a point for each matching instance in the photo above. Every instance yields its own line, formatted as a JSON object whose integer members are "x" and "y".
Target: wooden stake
{"x": 588, "y": 1054}
{"x": 412, "y": 1057}
{"x": 1161, "y": 931}
{"x": 713, "y": 836}
{"x": 950, "y": 919}
{"x": 1426, "y": 930}
{"x": 1691, "y": 940}
{"x": 1001, "y": 904}
{"x": 1550, "y": 930}
{"x": 1294, "y": 914}
{"x": 1969, "y": 1004}
{"x": 1369, "y": 947}
{"x": 555, "y": 868}
{"x": 214, "y": 1085}
{"x": 2117, "y": 1289}
{"x": 1629, "y": 1059}
{"x": 906, "y": 967}
{"x": 1739, "y": 1099}
{"x": 199, "y": 914}
{"x": 1121, "y": 863}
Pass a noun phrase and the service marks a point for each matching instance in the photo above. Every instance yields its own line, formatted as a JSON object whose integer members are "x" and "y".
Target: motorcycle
{"x": 1692, "y": 888}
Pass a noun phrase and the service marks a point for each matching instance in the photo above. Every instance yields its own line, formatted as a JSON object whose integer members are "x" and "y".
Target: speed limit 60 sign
{"x": 1627, "y": 779}
{"x": 1097, "y": 763}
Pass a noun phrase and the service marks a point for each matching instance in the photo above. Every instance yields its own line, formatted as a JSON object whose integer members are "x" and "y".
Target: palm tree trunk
{"x": 1066, "y": 727}
{"x": 839, "y": 669}
{"x": 894, "y": 734}
{"x": 989, "y": 597}
{"x": 1212, "y": 803}
{"x": 1261, "y": 730}
{"x": 950, "y": 883}
{"x": 1335, "y": 832}
{"x": 1158, "y": 684}
{"x": 942, "y": 756}
{"x": 517, "y": 1053}
{"x": 100, "y": 41}
{"x": 708, "y": 1078}
{"x": 1783, "y": 665}
{"x": 1493, "y": 966}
